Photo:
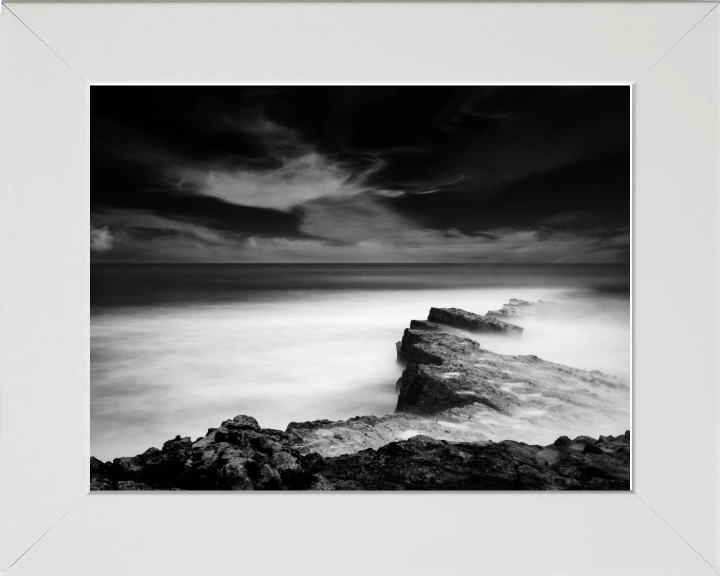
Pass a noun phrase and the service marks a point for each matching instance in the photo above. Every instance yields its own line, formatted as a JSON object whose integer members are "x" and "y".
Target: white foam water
{"x": 180, "y": 367}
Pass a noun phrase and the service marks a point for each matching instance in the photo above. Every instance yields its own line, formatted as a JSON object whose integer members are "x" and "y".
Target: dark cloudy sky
{"x": 360, "y": 174}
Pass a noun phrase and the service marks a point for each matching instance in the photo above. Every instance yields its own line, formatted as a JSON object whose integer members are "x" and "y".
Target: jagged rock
{"x": 130, "y": 485}
{"x": 446, "y": 371}
{"x": 334, "y": 438}
{"x": 237, "y": 475}
{"x": 584, "y": 440}
{"x": 485, "y": 396}
{"x": 424, "y": 325}
{"x": 419, "y": 463}
{"x": 562, "y": 441}
{"x": 239, "y": 455}
{"x": 269, "y": 478}
{"x": 101, "y": 483}
{"x": 245, "y": 422}
{"x": 423, "y": 463}
{"x": 513, "y": 309}
{"x": 518, "y": 310}
{"x": 321, "y": 483}
{"x": 463, "y": 320}
{"x": 423, "y": 348}
{"x": 154, "y": 467}
{"x": 427, "y": 389}
{"x": 592, "y": 449}
{"x": 99, "y": 472}
{"x": 97, "y": 467}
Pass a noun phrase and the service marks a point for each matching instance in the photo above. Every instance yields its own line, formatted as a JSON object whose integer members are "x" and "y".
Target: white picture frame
{"x": 49, "y": 523}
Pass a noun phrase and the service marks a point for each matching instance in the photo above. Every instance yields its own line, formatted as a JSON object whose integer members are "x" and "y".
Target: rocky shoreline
{"x": 457, "y": 402}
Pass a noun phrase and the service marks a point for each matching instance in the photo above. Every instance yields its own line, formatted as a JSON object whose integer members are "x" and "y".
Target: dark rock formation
{"x": 100, "y": 474}
{"x": 585, "y": 440}
{"x": 513, "y": 309}
{"x": 463, "y": 320}
{"x": 237, "y": 456}
{"x": 261, "y": 459}
{"x": 424, "y": 463}
{"x": 563, "y": 441}
{"x": 129, "y": 485}
{"x": 424, "y": 325}
{"x": 463, "y": 393}
{"x": 446, "y": 371}
{"x": 518, "y": 310}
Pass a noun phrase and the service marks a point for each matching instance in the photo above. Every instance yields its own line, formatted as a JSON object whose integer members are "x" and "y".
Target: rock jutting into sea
{"x": 463, "y": 320}
{"x": 452, "y": 389}
{"x": 514, "y": 308}
{"x": 457, "y": 406}
{"x": 518, "y": 310}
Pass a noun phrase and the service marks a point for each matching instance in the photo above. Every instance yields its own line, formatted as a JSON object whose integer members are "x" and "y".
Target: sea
{"x": 178, "y": 348}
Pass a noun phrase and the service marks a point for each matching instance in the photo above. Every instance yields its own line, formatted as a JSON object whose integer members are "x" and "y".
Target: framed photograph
{"x": 360, "y": 282}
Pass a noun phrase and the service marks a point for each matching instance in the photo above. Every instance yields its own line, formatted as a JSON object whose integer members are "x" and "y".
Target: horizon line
{"x": 365, "y": 263}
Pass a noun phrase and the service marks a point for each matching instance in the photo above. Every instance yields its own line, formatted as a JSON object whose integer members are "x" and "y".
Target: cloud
{"x": 356, "y": 219}
{"x": 139, "y": 236}
{"x": 297, "y": 181}
{"x": 290, "y": 173}
{"x": 359, "y": 231}
{"x": 101, "y": 240}
{"x": 272, "y": 135}
{"x": 426, "y": 246}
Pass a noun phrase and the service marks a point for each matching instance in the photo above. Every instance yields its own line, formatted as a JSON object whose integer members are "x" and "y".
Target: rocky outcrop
{"x": 100, "y": 474}
{"x": 463, "y": 320}
{"x": 516, "y": 310}
{"x": 239, "y": 455}
{"x": 424, "y": 463}
{"x": 513, "y": 309}
{"x": 445, "y": 371}
{"x": 233, "y": 458}
{"x": 454, "y": 390}
{"x": 424, "y": 325}
{"x": 441, "y": 374}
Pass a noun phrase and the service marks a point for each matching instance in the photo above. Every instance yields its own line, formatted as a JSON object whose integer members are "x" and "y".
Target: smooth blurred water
{"x": 176, "y": 349}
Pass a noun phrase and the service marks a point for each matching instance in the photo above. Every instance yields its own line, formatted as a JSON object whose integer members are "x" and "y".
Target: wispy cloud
{"x": 138, "y": 235}
{"x": 296, "y": 181}
{"x": 357, "y": 219}
{"x": 423, "y": 246}
{"x": 361, "y": 233}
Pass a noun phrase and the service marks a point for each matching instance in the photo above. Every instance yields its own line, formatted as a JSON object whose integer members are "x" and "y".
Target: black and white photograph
{"x": 372, "y": 287}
